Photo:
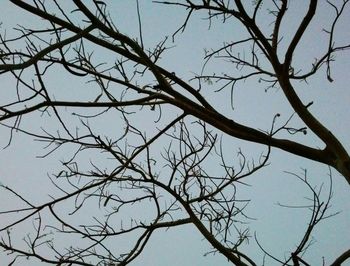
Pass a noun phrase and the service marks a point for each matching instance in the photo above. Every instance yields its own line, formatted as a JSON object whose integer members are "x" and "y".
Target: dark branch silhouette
{"x": 191, "y": 181}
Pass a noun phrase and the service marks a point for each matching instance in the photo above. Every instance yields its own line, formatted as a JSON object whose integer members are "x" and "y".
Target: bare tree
{"x": 176, "y": 168}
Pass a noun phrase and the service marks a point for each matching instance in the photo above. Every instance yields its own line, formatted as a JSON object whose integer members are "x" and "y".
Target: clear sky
{"x": 278, "y": 229}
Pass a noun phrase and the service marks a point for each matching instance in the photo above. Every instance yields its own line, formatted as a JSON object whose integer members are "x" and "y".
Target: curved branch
{"x": 34, "y": 59}
{"x": 302, "y": 27}
{"x": 343, "y": 257}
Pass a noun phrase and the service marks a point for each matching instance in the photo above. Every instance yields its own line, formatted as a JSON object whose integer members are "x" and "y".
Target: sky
{"x": 277, "y": 229}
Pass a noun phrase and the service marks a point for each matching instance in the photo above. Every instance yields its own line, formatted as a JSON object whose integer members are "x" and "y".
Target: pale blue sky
{"x": 278, "y": 229}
